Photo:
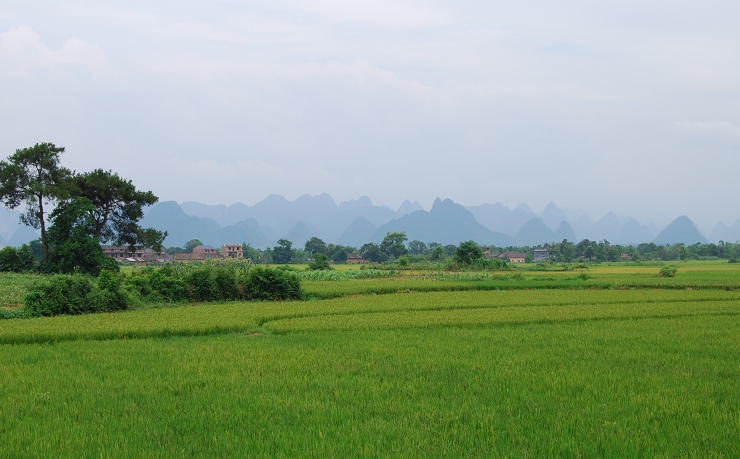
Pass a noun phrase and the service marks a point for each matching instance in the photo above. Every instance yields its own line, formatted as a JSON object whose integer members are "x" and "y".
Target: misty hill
{"x": 564, "y": 232}
{"x": 360, "y": 232}
{"x": 181, "y": 228}
{"x": 632, "y": 233}
{"x": 446, "y": 223}
{"x": 533, "y": 233}
{"x": 23, "y": 235}
{"x": 355, "y": 222}
{"x": 680, "y": 230}
{"x": 724, "y": 233}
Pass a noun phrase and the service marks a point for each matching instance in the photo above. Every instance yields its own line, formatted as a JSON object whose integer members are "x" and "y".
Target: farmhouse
{"x": 513, "y": 257}
{"x": 207, "y": 252}
{"x": 139, "y": 256}
{"x": 232, "y": 251}
{"x": 541, "y": 254}
{"x": 355, "y": 258}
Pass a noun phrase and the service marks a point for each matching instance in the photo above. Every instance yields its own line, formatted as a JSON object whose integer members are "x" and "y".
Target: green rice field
{"x": 527, "y": 363}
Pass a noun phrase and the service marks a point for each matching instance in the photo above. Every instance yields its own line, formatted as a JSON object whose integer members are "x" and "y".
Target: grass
{"x": 589, "y": 369}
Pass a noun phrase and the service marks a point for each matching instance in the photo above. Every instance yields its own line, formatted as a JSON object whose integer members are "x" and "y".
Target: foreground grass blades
{"x": 584, "y": 371}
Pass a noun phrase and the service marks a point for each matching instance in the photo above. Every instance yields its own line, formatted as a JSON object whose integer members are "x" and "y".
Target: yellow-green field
{"x": 544, "y": 363}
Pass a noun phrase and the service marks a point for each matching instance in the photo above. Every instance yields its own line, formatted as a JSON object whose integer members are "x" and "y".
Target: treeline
{"x": 395, "y": 247}
{"x": 171, "y": 283}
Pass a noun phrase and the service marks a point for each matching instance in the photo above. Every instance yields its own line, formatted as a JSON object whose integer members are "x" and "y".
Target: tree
{"x": 17, "y": 260}
{"x": 371, "y": 252}
{"x": 250, "y": 252}
{"x": 315, "y": 245}
{"x": 73, "y": 246}
{"x": 118, "y": 208}
{"x": 438, "y": 253}
{"x": 468, "y": 252}
{"x": 417, "y": 247}
{"x": 191, "y": 244}
{"x": 321, "y": 263}
{"x": 282, "y": 253}
{"x": 339, "y": 255}
{"x": 33, "y": 176}
{"x": 393, "y": 244}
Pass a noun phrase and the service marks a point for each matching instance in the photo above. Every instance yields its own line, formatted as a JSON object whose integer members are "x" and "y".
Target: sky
{"x": 624, "y": 106}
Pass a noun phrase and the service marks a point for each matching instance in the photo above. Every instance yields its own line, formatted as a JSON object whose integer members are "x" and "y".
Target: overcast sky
{"x": 629, "y": 106}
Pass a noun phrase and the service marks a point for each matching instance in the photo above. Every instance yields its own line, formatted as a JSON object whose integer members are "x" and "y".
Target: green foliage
{"x": 372, "y": 253}
{"x": 393, "y": 244}
{"x": 73, "y": 247}
{"x": 282, "y": 253}
{"x": 17, "y": 260}
{"x": 667, "y": 271}
{"x": 315, "y": 245}
{"x": 117, "y": 208}
{"x": 438, "y": 253}
{"x": 468, "y": 252}
{"x": 320, "y": 263}
{"x": 403, "y": 261}
{"x": 33, "y": 177}
{"x": 272, "y": 285}
{"x": 76, "y": 294}
{"x": 191, "y": 244}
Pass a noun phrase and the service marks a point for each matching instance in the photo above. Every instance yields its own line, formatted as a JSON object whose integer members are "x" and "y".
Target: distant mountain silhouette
{"x": 355, "y": 222}
{"x": 181, "y": 228}
{"x": 23, "y": 235}
{"x": 9, "y": 222}
{"x": 724, "y": 233}
{"x": 360, "y": 232}
{"x": 608, "y": 227}
{"x": 632, "y": 233}
{"x": 564, "y": 231}
{"x": 489, "y": 215}
{"x": 681, "y": 229}
{"x": 446, "y": 223}
{"x": 407, "y": 207}
{"x": 553, "y": 217}
{"x": 534, "y": 232}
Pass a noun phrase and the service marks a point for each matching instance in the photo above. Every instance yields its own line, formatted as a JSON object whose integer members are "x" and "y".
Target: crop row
{"x": 406, "y": 309}
{"x": 491, "y": 316}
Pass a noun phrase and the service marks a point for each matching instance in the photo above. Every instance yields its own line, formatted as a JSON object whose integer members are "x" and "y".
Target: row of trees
{"x": 74, "y": 212}
{"x": 394, "y": 247}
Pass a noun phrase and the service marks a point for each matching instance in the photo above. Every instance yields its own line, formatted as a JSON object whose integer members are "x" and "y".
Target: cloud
{"x": 21, "y": 50}
{"x": 393, "y": 14}
{"x": 719, "y": 130}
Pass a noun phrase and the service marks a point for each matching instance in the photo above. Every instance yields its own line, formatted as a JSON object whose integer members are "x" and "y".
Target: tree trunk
{"x": 44, "y": 245}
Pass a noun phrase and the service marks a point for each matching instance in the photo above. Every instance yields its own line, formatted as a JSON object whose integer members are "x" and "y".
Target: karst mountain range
{"x": 358, "y": 221}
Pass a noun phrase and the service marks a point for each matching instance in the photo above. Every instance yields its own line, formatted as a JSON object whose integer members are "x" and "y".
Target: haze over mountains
{"x": 358, "y": 221}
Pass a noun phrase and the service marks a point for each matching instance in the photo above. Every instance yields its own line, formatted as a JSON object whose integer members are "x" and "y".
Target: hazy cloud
{"x": 596, "y": 105}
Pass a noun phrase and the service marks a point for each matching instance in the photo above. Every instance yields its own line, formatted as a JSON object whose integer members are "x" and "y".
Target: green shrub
{"x": 272, "y": 285}
{"x": 201, "y": 286}
{"x": 61, "y": 294}
{"x": 667, "y": 271}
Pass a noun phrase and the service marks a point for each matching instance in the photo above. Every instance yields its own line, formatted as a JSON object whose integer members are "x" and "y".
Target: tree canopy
{"x": 34, "y": 177}
{"x": 117, "y": 208}
{"x": 393, "y": 244}
{"x": 73, "y": 246}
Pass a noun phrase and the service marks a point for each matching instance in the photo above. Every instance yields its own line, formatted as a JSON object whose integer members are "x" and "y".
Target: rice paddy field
{"x": 603, "y": 361}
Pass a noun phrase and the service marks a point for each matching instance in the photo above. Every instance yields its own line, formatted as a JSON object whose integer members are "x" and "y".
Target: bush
{"x": 667, "y": 271}
{"x": 17, "y": 260}
{"x": 272, "y": 285}
{"x": 76, "y": 294}
{"x": 321, "y": 263}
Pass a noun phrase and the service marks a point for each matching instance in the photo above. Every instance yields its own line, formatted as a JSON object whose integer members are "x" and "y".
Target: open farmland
{"x": 616, "y": 363}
